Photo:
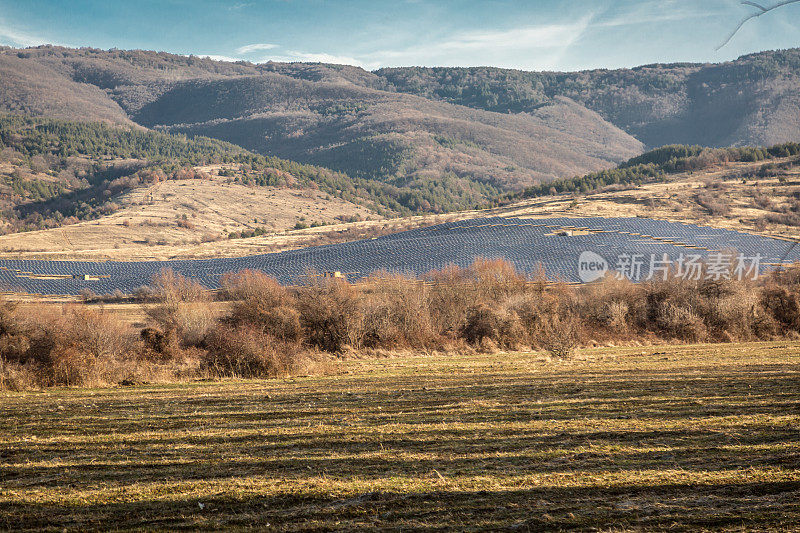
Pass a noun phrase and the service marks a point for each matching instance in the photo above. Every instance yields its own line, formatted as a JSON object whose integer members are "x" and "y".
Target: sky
{"x": 530, "y": 35}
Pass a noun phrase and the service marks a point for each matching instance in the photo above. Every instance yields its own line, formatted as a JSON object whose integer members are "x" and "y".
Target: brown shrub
{"x": 487, "y": 305}
{"x": 395, "y": 312}
{"x": 780, "y": 297}
{"x": 732, "y": 311}
{"x": 560, "y": 336}
{"x": 71, "y": 348}
{"x": 248, "y": 352}
{"x": 96, "y": 333}
{"x": 330, "y": 314}
{"x": 17, "y": 377}
{"x": 182, "y": 310}
{"x": 456, "y": 290}
{"x": 716, "y": 205}
{"x": 169, "y": 287}
{"x": 254, "y": 285}
{"x": 670, "y": 309}
{"x": 529, "y": 310}
{"x": 163, "y": 345}
{"x": 495, "y": 279}
{"x": 679, "y": 322}
{"x": 783, "y": 304}
{"x": 502, "y": 327}
{"x": 449, "y": 298}
{"x": 260, "y": 301}
{"x": 611, "y": 304}
{"x": 482, "y": 322}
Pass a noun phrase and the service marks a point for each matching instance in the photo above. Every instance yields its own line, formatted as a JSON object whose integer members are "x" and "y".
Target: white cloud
{"x": 531, "y": 37}
{"x": 240, "y": 6}
{"x": 250, "y": 48}
{"x": 14, "y": 37}
{"x": 657, "y": 11}
{"x": 531, "y": 47}
{"x": 541, "y": 46}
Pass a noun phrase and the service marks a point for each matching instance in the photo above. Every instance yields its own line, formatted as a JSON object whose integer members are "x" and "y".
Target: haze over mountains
{"x": 494, "y": 128}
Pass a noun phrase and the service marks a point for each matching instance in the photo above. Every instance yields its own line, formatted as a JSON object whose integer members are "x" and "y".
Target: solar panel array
{"x": 527, "y": 243}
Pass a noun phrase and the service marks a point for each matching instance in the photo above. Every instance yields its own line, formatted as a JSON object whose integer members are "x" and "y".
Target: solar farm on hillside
{"x": 554, "y": 244}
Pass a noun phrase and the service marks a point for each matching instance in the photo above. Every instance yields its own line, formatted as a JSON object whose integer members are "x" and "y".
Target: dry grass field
{"x": 745, "y": 203}
{"x": 180, "y": 218}
{"x": 698, "y": 437}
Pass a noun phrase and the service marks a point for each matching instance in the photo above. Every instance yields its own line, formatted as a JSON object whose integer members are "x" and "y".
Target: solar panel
{"x": 526, "y": 243}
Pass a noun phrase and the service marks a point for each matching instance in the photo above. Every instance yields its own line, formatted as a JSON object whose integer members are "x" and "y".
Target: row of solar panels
{"x": 527, "y": 243}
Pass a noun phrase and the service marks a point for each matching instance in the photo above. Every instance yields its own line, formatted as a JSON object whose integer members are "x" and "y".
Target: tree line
{"x": 657, "y": 165}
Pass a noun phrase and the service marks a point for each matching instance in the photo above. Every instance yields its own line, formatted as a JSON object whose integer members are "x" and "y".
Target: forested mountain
{"x": 458, "y": 134}
{"x": 340, "y": 117}
{"x": 754, "y": 100}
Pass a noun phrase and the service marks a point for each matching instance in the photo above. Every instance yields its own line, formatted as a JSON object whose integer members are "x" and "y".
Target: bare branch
{"x": 763, "y": 10}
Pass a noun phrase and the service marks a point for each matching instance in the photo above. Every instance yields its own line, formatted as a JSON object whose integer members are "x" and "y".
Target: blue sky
{"x": 530, "y": 35}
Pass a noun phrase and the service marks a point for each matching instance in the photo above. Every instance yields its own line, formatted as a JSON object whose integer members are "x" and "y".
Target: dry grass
{"x": 756, "y": 204}
{"x": 703, "y": 437}
{"x": 151, "y": 223}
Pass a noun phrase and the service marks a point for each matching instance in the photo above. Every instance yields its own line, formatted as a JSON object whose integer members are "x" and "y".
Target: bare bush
{"x": 170, "y": 286}
{"x": 679, "y": 322}
{"x": 455, "y": 290}
{"x": 611, "y": 304}
{"x": 248, "y": 352}
{"x": 560, "y": 336}
{"x": 183, "y": 308}
{"x": 783, "y": 303}
{"x": 714, "y": 204}
{"x": 260, "y": 301}
{"x": 330, "y": 314}
{"x": 482, "y": 322}
{"x": 269, "y": 329}
{"x": 449, "y": 299}
{"x": 72, "y": 348}
{"x": 395, "y": 312}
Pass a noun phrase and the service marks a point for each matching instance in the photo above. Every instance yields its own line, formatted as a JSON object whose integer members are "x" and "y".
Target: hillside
{"x": 195, "y": 217}
{"x": 337, "y": 117}
{"x": 399, "y": 141}
{"x": 212, "y": 212}
{"x": 754, "y": 100}
{"x": 57, "y": 174}
{"x": 480, "y": 130}
{"x": 58, "y": 169}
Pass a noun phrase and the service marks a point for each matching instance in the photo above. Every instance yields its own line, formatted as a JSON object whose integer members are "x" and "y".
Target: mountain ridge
{"x": 415, "y": 126}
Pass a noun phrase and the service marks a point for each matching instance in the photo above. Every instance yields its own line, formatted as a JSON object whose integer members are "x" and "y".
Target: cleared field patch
{"x": 753, "y": 205}
{"x": 692, "y": 437}
{"x": 180, "y": 218}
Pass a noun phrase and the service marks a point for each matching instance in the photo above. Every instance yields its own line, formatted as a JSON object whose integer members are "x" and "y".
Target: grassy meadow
{"x": 696, "y": 437}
